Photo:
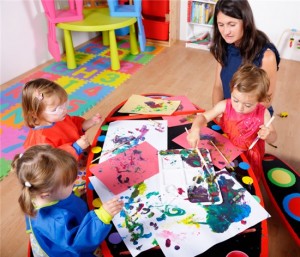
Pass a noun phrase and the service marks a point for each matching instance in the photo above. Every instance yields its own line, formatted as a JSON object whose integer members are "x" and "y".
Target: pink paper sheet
{"x": 128, "y": 168}
{"x": 185, "y": 105}
{"x": 224, "y": 145}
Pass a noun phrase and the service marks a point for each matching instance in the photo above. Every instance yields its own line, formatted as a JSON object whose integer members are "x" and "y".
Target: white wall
{"x": 271, "y": 16}
{"x": 23, "y": 37}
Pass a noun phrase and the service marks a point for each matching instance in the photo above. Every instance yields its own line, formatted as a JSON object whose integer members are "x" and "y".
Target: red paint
{"x": 180, "y": 191}
{"x": 168, "y": 242}
{"x": 294, "y": 204}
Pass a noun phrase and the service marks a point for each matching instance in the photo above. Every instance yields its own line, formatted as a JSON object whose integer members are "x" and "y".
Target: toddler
{"x": 243, "y": 116}
{"x": 45, "y": 105}
{"x": 58, "y": 222}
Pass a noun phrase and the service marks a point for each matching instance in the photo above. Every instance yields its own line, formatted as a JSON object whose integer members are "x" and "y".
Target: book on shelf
{"x": 199, "y": 12}
{"x": 201, "y": 38}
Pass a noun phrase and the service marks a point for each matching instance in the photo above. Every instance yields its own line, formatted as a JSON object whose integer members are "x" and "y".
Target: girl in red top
{"x": 243, "y": 116}
{"x": 45, "y": 105}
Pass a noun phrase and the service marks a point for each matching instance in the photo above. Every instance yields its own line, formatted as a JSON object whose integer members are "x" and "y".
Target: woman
{"x": 237, "y": 41}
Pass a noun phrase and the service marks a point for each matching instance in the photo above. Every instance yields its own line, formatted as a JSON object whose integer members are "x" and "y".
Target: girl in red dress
{"x": 243, "y": 116}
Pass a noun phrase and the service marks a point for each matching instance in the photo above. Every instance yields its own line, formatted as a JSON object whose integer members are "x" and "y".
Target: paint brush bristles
{"x": 223, "y": 156}
{"x": 199, "y": 154}
{"x": 111, "y": 150}
{"x": 202, "y": 159}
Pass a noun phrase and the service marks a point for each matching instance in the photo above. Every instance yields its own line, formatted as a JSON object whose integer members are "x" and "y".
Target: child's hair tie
{"x": 27, "y": 184}
{"x": 235, "y": 85}
{"x": 39, "y": 96}
{"x": 20, "y": 155}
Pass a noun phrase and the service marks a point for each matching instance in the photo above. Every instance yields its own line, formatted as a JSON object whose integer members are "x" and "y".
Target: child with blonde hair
{"x": 45, "y": 105}
{"x": 58, "y": 222}
{"x": 243, "y": 116}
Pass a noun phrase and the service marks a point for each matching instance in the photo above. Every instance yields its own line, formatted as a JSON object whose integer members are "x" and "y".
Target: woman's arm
{"x": 217, "y": 94}
{"x": 269, "y": 64}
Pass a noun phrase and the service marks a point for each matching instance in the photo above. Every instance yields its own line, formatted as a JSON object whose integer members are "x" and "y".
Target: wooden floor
{"x": 180, "y": 71}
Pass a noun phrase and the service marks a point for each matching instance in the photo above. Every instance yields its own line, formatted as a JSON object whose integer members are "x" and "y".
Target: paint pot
{"x": 237, "y": 253}
{"x": 96, "y": 149}
{"x": 101, "y": 138}
{"x": 115, "y": 238}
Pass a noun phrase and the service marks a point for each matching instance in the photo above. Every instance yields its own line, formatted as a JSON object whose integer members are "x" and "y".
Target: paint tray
{"x": 205, "y": 189}
{"x": 182, "y": 176}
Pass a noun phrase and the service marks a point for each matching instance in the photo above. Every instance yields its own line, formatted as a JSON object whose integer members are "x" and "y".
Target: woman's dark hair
{"x": 253, "y": 40}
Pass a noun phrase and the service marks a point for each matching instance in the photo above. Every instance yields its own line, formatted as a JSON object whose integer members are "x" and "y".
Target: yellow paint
{"x": 247, "y": 180}
{"x": 281, "y": 177}
{"x": 96, "y": 149}
{"x": 189, "y": 220}
{"x": 142, "y": 188}
{"x": 97, "y": 203}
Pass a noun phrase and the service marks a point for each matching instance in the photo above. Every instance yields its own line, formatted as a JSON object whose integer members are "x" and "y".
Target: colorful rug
{"x": 86, "y": 85}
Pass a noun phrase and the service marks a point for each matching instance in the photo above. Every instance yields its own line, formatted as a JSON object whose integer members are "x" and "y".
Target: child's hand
{"x": 113, "y": 206}
{"x": 87, "y": 124}
{"x": 83, "y": 142}
{"x": 264, "y": 132}
{"x": 193, "y": 138}
{"x": 96, "y": 119}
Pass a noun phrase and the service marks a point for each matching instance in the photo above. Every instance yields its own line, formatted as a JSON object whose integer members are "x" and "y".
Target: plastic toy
{"x": 291, "y": 40}
{"x": 283, "y": 114}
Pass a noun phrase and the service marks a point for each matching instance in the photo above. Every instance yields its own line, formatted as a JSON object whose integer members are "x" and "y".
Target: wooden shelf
{"x": 204, "y": 10}
{"x": 197, "y": 46}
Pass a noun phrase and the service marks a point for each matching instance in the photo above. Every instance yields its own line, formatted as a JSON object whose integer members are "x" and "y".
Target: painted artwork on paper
{"x": 178, "y": 226}
{"x": 221, "y": 142}
{"x": 147, "y": 105}
{"x": 182, "y": 174}
{"x": 128, "y": 168}
{"x": 141, "y": 215}
{"x": 123, "y": 135}
{"x": 185, "y": 105}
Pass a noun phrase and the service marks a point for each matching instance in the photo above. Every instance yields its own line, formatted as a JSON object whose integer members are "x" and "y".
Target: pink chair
{"x": 55, "y": 15}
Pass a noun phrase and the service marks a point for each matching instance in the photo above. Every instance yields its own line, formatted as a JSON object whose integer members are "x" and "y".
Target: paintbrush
{"x": 111, "y": 150}
{"x": 223, "y": 156}
{"x": 154, "y": 115}
{"x": 258, "y": 137}
{"x": 199, "y": 154}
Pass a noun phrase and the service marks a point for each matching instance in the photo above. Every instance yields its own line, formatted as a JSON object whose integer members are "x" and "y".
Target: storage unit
{"x": 200, "y": 15}
{"x": 160, "y": 18}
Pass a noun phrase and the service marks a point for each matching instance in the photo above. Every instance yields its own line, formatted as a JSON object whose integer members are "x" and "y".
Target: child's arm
{"x": 82, "y": 142}
{"x": 96, "y": 119}
{"x": 268, "y": 134}
{"x": 109, "y": 209}
{"x": 201, "y": 120}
